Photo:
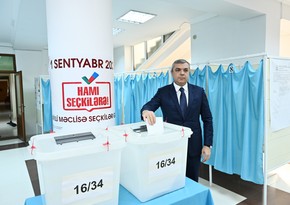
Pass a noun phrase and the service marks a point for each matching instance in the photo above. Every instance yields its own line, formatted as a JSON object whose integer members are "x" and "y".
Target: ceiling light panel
{"x": 136, "y": 17}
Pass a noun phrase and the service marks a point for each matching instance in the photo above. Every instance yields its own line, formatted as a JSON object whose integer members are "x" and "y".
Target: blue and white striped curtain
{"x": 236, "y": 101}
{"x": 198, "y": 77}
{"x": 118, "y": 88}
{"x": 137, "y": 90}
{"x": 128, "y": 100}
{"x": 47, "y": 107}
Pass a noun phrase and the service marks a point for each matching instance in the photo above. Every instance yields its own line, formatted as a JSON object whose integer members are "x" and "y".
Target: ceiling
{"x": 23, "y": 23}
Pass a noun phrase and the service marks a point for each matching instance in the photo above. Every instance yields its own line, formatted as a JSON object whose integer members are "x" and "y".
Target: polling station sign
{"x": 77, "y": 96}
{"x": 89, "y": 94}
{"x": 82, "y": 93}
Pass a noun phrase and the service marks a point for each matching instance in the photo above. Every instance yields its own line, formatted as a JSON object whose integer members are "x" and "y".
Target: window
{"x": 7, "y": 62}
{"x": 139, "y": 54}
{"x": 144, "y": 50}
{"x": 153, "y": 45}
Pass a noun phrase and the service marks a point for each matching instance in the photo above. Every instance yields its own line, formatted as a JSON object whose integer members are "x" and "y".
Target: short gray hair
{"x": 179, "y": 61}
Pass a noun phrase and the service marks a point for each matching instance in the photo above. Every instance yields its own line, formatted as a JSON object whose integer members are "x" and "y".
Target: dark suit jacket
{"x": 166, "y": 98}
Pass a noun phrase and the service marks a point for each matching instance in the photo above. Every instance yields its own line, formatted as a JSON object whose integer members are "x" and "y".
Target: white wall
{"x": 272, "y": 10}
{"x": 286, "y": 11}
{"x": 252, "y": 38}
{"x": 285, "y": 34}
{"x": 122, "y": 59}
{"x": 6, "y": 49}
{"x": 221, "y": 37}
{"x": 285, "y": 38}
{"x": 119, "y": 59}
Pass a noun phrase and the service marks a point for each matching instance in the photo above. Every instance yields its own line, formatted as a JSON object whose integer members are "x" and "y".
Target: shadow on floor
{"x": 253, "y": 192}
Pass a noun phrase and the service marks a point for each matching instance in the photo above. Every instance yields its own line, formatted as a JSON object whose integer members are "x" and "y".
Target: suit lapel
{"x": 190, "y": 99}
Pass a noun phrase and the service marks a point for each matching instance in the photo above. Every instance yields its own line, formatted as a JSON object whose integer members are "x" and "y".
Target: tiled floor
{"x": 280, "y": 178}
{"x": 17, "y": 172}
{"x": 222, "y": 196}
{"x": 254, "y": 192}
{"x": 8, "y": 128}
{"x": 15, "y": 183}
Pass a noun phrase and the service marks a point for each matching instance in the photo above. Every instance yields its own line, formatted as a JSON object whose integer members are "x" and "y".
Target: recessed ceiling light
{"x": 116, "y": 31}
{"x": 136, "y": 17}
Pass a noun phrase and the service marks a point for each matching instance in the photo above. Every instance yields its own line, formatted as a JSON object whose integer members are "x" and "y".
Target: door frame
{"x": 10, "y": 70}
{"x": 20, "y": 110}
{"x": 18, "y": 102}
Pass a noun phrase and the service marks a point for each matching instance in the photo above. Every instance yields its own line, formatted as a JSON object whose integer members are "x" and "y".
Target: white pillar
{"x": 80, "y": 50}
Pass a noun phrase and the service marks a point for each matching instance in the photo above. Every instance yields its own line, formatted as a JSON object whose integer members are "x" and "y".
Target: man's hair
{"x": 179, "y": 61}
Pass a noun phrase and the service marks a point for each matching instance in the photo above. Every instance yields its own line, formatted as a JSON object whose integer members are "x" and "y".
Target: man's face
{"x": 180, "y": 73}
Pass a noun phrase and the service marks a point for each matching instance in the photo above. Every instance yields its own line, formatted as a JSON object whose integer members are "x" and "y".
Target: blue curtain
{"x": 47, "y": 107}
{"x": 118, "y": 87}
{"x": 198, "y": 77}
{"x": 138, "y": 89}
{"x": 128, "y": 100}
{"x": 236, "y": 100}
{"x": 155, "y": 82}
{"x": 162, "y": 80}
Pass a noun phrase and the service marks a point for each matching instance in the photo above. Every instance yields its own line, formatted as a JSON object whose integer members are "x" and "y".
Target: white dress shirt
{"x": 185, "y": 87}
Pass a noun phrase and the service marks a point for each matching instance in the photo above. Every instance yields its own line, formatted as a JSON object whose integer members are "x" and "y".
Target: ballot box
{"x": 153, "y": 164}
{"x": 78, "y": 168}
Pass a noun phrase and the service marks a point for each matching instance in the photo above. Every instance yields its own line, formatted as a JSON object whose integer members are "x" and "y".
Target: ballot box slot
{"x": 140, "y": 129}
{"x": 74, "y": 138}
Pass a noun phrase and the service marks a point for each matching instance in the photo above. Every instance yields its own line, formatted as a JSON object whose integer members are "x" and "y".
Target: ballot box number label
{"x": 95, "y": 186}
{"x": 90, "y": 186}
{"x": 165, "y": 164}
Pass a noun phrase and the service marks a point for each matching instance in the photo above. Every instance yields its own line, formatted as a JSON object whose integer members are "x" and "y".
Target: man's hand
{"x": 149, "y": 116}
{"x": 205, "y": 153}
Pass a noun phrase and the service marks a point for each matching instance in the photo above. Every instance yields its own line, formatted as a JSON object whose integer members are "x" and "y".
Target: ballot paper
{"x": 157, "y": 128}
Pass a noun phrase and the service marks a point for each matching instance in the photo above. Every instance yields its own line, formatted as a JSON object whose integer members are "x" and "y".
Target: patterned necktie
{"x": 183, "y": 104}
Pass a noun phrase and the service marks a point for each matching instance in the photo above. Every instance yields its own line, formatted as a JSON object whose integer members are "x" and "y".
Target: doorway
{"x": 12, "y": 123}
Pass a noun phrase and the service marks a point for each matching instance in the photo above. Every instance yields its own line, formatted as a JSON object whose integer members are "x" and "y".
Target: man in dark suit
{"x": 184, "y": 107}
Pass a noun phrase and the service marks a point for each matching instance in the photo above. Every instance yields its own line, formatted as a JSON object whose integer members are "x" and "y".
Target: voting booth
{"x": 153, "y": 162}
{"x": 78, "y": 168}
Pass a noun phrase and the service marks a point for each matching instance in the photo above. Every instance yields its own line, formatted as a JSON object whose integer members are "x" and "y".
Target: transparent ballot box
{"x": 78, "y": 168}
{"x": 153, "y": 164}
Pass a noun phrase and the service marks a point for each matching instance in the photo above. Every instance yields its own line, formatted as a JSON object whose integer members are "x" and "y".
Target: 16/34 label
{"x": 96, "y": 185}
{"x": 165, "y": 164}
